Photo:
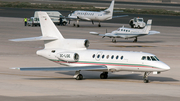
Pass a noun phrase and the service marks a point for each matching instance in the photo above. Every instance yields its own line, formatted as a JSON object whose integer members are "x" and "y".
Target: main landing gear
{"x": 114, "y": 40}
{"x": 77, "y": 24}
{"x": 78, "y": 76}
{"x": 135, "y": 40}
{"x": 104, "y": 75}
{"x": 99, "y": 25}
{"x": 146, "y": 74}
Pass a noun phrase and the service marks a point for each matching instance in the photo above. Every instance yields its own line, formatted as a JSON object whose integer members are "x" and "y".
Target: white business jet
{"x": 74, "y": 54}
{"x": 128, "y": 33}
{"x": 93, "y": 15}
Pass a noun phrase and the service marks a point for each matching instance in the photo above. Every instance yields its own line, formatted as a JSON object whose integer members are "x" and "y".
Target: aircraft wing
{"x": 76, "y": 68}
{"x": 153, "y": 32}
{"x": 119, "y": 16}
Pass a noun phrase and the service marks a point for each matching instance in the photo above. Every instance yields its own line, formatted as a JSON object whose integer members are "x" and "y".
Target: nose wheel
{"x": 146, "y": 74}
{"x": 104, "y": 75}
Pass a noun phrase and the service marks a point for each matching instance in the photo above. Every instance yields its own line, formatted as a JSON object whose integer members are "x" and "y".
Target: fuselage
{"x": 91, "y": 15}
{"x": 114, "y": 60}
{"x": 127, "y": 33}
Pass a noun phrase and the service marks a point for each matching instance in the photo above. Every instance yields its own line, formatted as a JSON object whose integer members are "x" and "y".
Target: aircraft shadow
{"x": 129, "y": 41}
{"x": 88, "y": 75}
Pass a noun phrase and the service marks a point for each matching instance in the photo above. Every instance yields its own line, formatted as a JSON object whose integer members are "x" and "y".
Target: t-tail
{"x": 52, "y": 37}
{"x": 147, "y": 28}
{"x": 110, "y": 9}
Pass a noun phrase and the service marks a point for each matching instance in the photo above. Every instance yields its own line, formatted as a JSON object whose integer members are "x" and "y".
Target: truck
{"x": 137, "y": 22}
{"x": 54, "y": 15}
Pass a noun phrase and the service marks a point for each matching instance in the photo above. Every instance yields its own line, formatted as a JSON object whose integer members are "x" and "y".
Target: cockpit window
{"x": 153, "y": 59}
{"x": 156, "y": 58}
{"x": 144, "y": 58}
{"x": 148, "y": 58}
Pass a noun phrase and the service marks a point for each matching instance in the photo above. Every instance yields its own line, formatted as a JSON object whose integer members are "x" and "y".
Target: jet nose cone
{"x": 165, "y": 67}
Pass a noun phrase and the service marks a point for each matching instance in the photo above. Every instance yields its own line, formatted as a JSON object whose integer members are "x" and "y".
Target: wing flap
{"x": 34, "y": 39}
{"x": 78, "y": 68}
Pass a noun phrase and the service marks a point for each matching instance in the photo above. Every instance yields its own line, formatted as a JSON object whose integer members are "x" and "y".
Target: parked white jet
{"x": 74, "y": 53}
{"x": 127, "y": 33}
{"x": 93, "y": 15}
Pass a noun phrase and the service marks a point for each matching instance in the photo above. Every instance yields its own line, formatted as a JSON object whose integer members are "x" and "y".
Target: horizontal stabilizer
{"x": 119, "y": 16}
{"x": 118, "y": 11}
{"x": 94, "y": 33}
{"x": 78, "y": 68}
{"x": 153, "y": 32}
{"x": 34, "y": 39}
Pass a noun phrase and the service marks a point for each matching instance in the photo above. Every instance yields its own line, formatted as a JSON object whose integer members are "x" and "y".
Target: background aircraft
{"x": 93, "y": 15}
{"x": 127, "y": 33}
{"x": 74, "y": 54}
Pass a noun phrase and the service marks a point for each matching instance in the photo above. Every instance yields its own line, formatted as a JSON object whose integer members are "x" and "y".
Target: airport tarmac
{"x": 17, "y": 85}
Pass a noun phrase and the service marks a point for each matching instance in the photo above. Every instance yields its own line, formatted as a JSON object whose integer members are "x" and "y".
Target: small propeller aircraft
{"x": 93, "y": 15}
{"x": 128, "y": 33}
{"x": 74, "y": 54}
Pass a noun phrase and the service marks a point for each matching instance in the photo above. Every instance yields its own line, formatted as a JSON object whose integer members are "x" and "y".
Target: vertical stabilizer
{"x": 111, "y": 7}
{"x": 147, "y": 28}
{"x": 49, "y": 30}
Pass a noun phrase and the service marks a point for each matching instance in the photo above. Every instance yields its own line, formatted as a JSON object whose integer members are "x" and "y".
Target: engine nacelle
{"x": 69, "y": 57}
{"x": 75, "y": 44}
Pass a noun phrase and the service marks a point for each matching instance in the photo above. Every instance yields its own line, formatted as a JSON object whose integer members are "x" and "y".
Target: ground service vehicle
{"x": 137, "y": 22}
{"x": 54, "y": 15}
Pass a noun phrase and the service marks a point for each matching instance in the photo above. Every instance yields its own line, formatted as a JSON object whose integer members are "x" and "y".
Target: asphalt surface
{"x": 159, "y": 20}
{"x": 18, "y": 85}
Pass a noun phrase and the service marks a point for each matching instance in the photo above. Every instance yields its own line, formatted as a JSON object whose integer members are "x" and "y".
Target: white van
{"x": 54, "y": 15}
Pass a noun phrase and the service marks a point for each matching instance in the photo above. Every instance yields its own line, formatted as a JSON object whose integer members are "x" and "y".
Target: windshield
{"x": 140, "y": 20}
{"x": 150, "y": 58}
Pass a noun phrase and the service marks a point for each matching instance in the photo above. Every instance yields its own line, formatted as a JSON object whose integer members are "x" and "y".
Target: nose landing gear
{"x": 146, "y": 74}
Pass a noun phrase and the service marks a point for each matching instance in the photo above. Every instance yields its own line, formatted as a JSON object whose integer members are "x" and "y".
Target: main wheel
{"x": 146, "y": 81}
{"x": 79, "y": 77}
{"x": 103, "y": 76}
{"x": 77, "y": 25}
{"x": 74, "y": 24}
{"x": 114, "y": 40}
{"x": 99, "y": 25}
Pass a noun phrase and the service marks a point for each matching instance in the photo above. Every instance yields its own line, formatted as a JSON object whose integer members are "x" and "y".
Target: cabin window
{"x": 112, "y": 56}
{"x": 148, "y": 58}
{"x": 102, "y": 56}
{"x": 124, "y": 30}
{"x": 98, "y": 56}
{"x": 93, "y": 55}
{"x": 121, "y": 29}
{"x": 144, "y": 58}
{"x": 107, "y": 56}
{"x": 121, "y": 57}
{"x": 117, "y": 57}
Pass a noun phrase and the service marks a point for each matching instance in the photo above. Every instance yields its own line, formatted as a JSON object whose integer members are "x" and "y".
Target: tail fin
{"x": 111, "y": 7}
{"x": 49, "y": 30}
{"x": 147, "y": 28}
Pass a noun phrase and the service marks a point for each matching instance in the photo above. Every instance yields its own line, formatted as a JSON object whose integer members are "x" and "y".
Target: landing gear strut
{"x": 99, "y": 25}
{"x": 135, "y": 40}
{"x": 77, "y": 23}
{"x": 104, "y": 75}
{"x": 114, "y": 40}
{"x": 78, "y": 76}
{"x": 146, "y": 74}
